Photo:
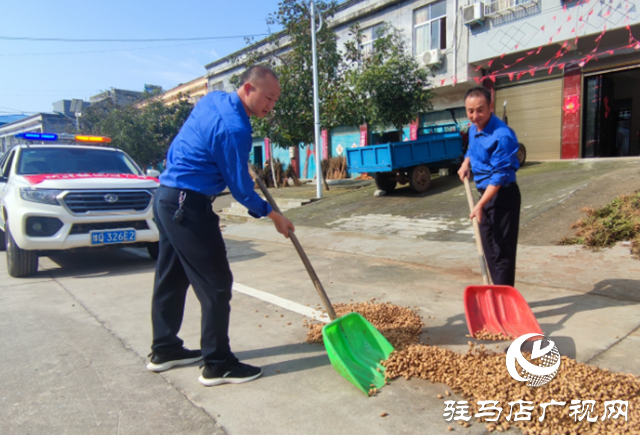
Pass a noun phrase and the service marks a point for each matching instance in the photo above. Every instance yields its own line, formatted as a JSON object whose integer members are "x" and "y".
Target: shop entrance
{"x": 611, "y": 115}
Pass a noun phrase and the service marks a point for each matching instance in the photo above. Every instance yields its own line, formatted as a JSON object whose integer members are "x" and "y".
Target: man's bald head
{"x": 256, "y": 73}
{"x": 259, "y": 90}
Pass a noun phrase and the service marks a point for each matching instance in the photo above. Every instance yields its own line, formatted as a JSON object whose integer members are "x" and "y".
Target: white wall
{"x": 534, "y": 26}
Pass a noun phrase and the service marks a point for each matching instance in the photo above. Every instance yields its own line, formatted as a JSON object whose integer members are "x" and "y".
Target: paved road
{"x": 74, "y": 339}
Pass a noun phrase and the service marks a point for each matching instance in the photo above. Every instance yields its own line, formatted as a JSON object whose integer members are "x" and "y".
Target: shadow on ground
{"x": 121, "y": 262}
{"x": 605, "y": 294}
{"x": 292, "y": 365}
{"x": 438, "y": 185}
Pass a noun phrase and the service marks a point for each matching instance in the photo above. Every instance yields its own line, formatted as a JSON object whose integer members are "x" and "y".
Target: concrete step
{"x": 238, "y": 213}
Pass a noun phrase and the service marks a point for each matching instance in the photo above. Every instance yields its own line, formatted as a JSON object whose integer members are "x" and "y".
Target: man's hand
{"x": 477, "y": 212}
{"x": 282, "y": 224}
{"x": 463, "y": 172}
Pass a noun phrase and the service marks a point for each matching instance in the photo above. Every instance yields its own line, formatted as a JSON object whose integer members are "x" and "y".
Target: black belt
{"x": 193, "y": 193}
{"x": 513, "y": 183}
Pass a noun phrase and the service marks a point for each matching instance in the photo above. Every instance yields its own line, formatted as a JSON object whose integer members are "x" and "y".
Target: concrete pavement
{"x": 83, "y": 322}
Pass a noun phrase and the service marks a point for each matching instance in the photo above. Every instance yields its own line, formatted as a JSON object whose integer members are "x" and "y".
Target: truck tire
{"x": 522, "y": 154}
{"x": 3, "y": 245}
{"x": 20, "y": 262}
{"x": 154, "y": 250}
{"x": 385, "y": 181}
{"x": 420, "y": 178}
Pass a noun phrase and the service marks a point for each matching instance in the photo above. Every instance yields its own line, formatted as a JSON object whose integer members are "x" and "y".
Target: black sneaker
{"x": 228, "y": 373}
{"x": 179, "y": 357}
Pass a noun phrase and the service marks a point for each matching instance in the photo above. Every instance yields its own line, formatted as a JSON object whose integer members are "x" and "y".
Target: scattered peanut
{"x": 481, "y": 374}
{"x": 483, "y": 334}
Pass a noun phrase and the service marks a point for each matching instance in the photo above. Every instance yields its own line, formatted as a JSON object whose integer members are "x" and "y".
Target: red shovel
{"x": 499, "y": 309}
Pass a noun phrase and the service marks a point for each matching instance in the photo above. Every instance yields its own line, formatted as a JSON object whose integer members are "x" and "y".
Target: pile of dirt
{"x": 618, "y": 221}
{"x": 481, "y": 374}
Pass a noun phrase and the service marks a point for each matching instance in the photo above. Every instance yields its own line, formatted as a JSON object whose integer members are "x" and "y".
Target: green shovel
{"x": 354, "y": 346}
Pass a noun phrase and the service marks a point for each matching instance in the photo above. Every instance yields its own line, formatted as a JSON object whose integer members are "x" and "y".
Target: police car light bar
{"x": 93, "y": 139}
{"x": 51, "y": 137}
{"x": 37, "y": 136}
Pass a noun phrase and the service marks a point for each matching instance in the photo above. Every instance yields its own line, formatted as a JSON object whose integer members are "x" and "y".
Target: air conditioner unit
{"x": 473, "y": 14}
{"x": 431, "y": 57}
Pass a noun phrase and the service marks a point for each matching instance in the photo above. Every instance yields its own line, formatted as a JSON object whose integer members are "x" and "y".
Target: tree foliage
{"x": 384, "y": 88}
{"x": 388, "y": 83}
{"x": 145, "y": 133}
{"x": 289, "y": 54}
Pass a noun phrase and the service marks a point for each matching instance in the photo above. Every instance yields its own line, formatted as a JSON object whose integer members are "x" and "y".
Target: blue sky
{"x": 34, "y": 74}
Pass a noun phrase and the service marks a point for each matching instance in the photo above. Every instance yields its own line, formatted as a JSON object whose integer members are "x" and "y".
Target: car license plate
{"x": 113, "y": 236}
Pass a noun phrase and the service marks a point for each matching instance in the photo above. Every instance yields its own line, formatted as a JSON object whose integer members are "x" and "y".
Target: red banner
{"x": 413, "y": 130}
{"x": 37, "y": 179}
{"x": 267, "y": 149}
{"x": 325, "y": 144}
{"x": 364, "y": 134}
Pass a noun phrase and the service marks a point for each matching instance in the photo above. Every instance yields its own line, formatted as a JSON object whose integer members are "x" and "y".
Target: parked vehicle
{"x": 65, "y": 196}
{"x": 437, "y": 146}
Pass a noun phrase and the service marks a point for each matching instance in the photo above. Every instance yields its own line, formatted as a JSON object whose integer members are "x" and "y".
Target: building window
{"x": 430, "y": 27}
{"x": 218, "y": 86}
{"x": 369, "y": 35}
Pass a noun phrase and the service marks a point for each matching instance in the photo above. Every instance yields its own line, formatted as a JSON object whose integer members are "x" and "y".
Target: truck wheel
{"x": 420, "y": 178}
{"x": 385, "y": 181}
{"x": 3, "y": 247}
{"x": 153, "y": 249}
{"x": 522, "y": 154}
{"x": 20, "y": 262}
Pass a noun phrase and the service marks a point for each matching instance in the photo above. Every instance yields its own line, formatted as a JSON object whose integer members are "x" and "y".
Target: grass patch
{"x": 615, "y": 222}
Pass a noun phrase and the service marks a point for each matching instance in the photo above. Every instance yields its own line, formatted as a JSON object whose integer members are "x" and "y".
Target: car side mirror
{"x": 153, "y": 173}
{"x": 4, "y": 179}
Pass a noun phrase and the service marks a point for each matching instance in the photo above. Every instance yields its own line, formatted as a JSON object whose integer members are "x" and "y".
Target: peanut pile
{"x": 483, "y": 334}
{"x": 401, "y": 326}
{"x": 481, "y": 374}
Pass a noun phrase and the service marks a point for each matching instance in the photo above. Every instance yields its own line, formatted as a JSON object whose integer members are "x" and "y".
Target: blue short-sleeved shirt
{"x": 493, "y": 153}
{"x": 211, "y": 152}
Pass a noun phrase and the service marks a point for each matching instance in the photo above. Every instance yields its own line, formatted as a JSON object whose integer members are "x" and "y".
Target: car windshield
{"x": 59, "y": 160}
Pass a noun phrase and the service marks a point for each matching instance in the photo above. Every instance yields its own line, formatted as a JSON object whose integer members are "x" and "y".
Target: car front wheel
{"x": 20, "y": 262}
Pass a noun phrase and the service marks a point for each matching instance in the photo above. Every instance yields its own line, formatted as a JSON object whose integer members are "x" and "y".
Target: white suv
{"x": 72, "y": 197}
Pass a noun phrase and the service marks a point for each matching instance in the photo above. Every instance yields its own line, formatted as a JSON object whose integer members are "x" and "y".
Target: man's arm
{"x": 464, "y": 171}
{"x": 235, "y": 171}
{"x": 489, "y": 193}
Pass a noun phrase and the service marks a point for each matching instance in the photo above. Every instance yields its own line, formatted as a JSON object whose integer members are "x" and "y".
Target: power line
{"x": 205, "y": 38}
{"x": 15, "y": 110}
{"x": 95, "y": 51}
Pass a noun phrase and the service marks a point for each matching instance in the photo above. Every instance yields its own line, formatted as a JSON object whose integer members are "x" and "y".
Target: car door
{"x": 5, "y": 169}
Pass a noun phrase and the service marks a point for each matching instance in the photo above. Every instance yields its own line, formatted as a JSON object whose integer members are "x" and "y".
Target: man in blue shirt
{"x": 492, "y": 156}
{"x": 210, "y": 152}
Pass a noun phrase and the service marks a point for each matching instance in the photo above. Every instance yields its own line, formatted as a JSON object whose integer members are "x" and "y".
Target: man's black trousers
{"x": 192, "y": 251}
{"x": 499, "y": 233}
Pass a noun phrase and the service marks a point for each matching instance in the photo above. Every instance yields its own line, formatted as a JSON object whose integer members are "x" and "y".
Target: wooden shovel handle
{"x": 303, "y": 256}
{"x": 486, "y": 279}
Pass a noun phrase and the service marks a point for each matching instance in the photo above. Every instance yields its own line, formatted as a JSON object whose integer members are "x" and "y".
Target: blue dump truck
{"x": 437, "y": 146}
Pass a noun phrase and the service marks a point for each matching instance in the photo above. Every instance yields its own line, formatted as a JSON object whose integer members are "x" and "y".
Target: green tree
{"x": 289, "y": 54}
{"x": 145, "y": 133}
{"x": 388, "y": 84}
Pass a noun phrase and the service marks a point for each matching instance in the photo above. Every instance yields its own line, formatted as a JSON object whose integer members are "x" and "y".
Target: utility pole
{"x": 316, "y": 108}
